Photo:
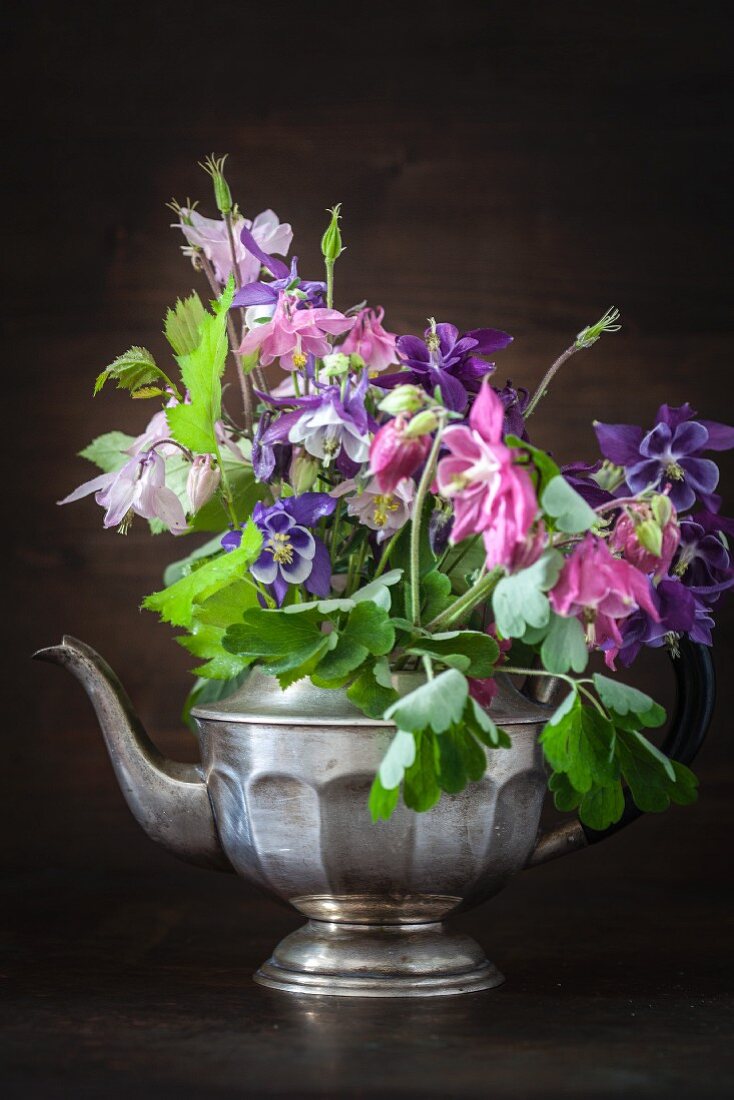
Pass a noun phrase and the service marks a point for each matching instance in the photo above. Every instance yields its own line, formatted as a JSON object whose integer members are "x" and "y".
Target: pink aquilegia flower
{"x": 395, "y": 455}
{"x": 293, "y": 334}
{"x": 210, "y": 235}
{"x": 383, "y": 512}
{"x": 138, "y": 488}
{"x": 632, "y": 537}
{"x": 370, "y": 340}
{"x": 491, "y": 496}
{"x": 601, "y": 591}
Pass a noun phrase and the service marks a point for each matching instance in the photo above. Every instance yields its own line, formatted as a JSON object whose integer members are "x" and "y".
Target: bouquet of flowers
{"x": 374, "y": 503}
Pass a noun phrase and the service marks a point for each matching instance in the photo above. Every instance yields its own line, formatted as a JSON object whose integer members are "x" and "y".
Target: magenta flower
{"x": 384, "y": 512}
{"x": 602, "y": 591}
{"x": 370, "y": 340}
{"x": 395, "y": 455}
{"x": 292, "y": 334}
{"x": 137, "y": 489}
{"x": 210, "y": 235}
{"x": 491, "y": 495}
{"x": 626, "y": 539}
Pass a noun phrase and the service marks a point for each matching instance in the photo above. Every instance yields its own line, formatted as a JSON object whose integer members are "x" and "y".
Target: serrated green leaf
{"x": 436, "y": 705}
{"x": 520, "y": 601}
{"x": 568, "y": 509}
{"x": 193, "y": 424}
{"x": 109, "y": 451}
{"x": 133, "y": 370}
{"x": 182, "y": 324}
{"x": 621, "y": 697}
{"x": 564, "y": 646}
{"x": 479, "y": 650}
{"x": 175, "y": 604}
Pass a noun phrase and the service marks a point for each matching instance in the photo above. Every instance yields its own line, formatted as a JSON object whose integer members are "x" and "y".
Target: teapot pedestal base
{"x": 378, "y": 960}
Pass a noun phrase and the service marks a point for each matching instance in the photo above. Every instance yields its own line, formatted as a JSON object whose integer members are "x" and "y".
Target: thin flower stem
{"x": 415, "y": 527}
{"x": 329, "y": 284}
{"x": 233, "y": 250}
{"x": 548, "y": 378}
{"x": 227, "y": 491}
{"x": 513, "y": 670}
{"x": 244, "y": 382}
{"x": 173, "y": 443}
{"x": 386, "y": 554}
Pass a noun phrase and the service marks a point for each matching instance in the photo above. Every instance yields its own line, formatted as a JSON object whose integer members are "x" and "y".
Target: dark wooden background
{"x": 524, "y": 165}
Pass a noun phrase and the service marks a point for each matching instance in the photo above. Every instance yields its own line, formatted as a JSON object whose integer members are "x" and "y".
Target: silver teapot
{"x": 280, "y": 797}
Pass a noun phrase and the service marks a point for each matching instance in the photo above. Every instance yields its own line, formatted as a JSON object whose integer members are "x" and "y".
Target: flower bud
{"x": 214, "y": 167}
{"x": 335, "y": 364}
{"x": 331, "y": 242}
{"x": 424, "y": 423}
{"x": 609, "y": 476}
{"x": 439, "y": 529}
{"x": 304, "y": 471}
{"x": 393, "y": 456}
{"x": 403, "y": 399}
{"x": 202, "y": 482}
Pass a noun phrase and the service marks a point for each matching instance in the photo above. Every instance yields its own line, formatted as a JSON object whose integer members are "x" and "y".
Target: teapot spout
{"x": 168, "y": 799}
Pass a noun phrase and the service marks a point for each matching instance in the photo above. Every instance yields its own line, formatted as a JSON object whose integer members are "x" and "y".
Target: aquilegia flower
{"x": 678, "y": 611}
{"x": 703, "y": 562}
{"x": 292, "y": 334}
{"x": 601, "y": 591}
{"x": 138, "y": 488}
{"x": 669, "y": 454}
{"x": 370, "y": 340}
{"x": 211, "y": 236}
{"x": 490, "y": 494}
{"x": 381, "y": 511}
{"x": 645, "y": 541}
{"x": 290, "y": 554}
{"x": 447, "y": 360}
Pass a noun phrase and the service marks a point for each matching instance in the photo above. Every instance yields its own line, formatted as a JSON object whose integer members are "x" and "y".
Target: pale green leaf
{"x": 435, "y": 705}
{"x": 564, "y": 646}
{"x": 399, "y": 756}
{"x": 569, "y": 510}
{"x": 520, "y": 601}
{"x": 109, "y": 451}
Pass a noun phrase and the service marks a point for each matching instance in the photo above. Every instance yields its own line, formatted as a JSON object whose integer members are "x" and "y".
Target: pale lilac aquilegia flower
{"x": 210, "y": 235}
{"x": 491, "y": 496}
{"x": 383, "y": 512}
{"x": 138, "y": 488}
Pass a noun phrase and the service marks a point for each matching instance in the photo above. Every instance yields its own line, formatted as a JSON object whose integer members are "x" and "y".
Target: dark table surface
{"x": 126, "y": 981}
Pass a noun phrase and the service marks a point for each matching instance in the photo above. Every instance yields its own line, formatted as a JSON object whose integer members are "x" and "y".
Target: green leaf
{"x": 206, "y": 642}
{"x": 483, "y": 727}
{"x": 460, "y": 759}
{"x": 399, "y": 756}
{"x": 602, "y": 806}
{"x": 227, "y": 606}
{"x": 568, "y": 508}
{"x": 182, "y": 324}
{"x": 192, "y": 424}
{"x": 370, "y": 693}
{"x": 564, "y": 646}
{"x": 544, "y": 464}
{"x": 382, "y": 803}
{"x": 565, "y": 706}
{"x": 480, "y": 651}
{"x": 653, "y": 779}
{"x": 109, "y": 451}
{"x": 337, "y": 665}
{"x": 565, "y": 796}
{"x": 581, "y": 744}
{"x": 378, "y": 591}
{"x": 133, "y": 371}
{"x": 421, "y": 790}
{"x": 465, "y": 561}
{"x": 175, "y": 604}
{"x": 369, "y": 626}
{"x": 520, "y": 601}
{"x": 177, "y": 569}
{"x": 436, "y": 595}
{"x": 625, "y": 699}
{"x": 436, "y": 705}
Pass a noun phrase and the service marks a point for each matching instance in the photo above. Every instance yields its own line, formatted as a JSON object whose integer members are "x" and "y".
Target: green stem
{"x": 386, "y": 554}
{"x": 513, "y": 670}
{"x": 329, "y": 284}
{"x": 468, "y": 601}
{"x": 226, "y": 490}
{"x": 548, "y": 378}
{"x": 415, "y": 528}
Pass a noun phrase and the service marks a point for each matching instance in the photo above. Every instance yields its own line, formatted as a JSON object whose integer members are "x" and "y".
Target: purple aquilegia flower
{"x": 678, "y": 611}
{"x": 263, "y": 297}
{"x": 328, "y": 425}
{"x": 669, "y": 454}
{"x": 269, "y": 461}
{"x": 516, "y": 402}
{"x": 291, "y": 554}
{"x": 703, "y": 562}
{"x": 447, "y": 360}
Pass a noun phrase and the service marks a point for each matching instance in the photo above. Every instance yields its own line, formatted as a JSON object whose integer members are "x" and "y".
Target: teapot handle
{"x": 695, "y": 697}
